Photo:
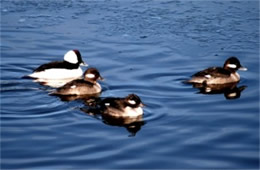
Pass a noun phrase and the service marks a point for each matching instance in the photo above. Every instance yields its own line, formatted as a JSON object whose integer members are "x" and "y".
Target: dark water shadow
{"x": 230, "y": 91}
{"x": 132, "y": 124}
{"x": 89, "y": 100}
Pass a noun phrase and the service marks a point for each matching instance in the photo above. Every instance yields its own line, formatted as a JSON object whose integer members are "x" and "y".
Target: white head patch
{"x": 232, "y": 66}
{"x": 71, "y": 57}
{"x": 90, "y": 75}
{"x": 107, "y": 104}
{"x": 131, "y": 102}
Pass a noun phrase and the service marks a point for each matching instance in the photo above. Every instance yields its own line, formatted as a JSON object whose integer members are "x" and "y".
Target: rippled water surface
{"x": 142, "y": 47}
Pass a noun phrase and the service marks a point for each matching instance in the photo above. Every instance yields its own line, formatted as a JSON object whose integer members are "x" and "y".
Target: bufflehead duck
{"x": 130, "y": 106}
{"x": 88, "y": 85}
{"x": 219, "y": 75}
{"x": 68, "y": 68}
{"x": 132, "y": 124}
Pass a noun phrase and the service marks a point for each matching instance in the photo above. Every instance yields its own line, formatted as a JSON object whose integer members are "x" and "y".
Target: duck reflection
{"x": 89, "y": 100}
{"x": 132, "y": 124}
{"x": 230, "y": 91}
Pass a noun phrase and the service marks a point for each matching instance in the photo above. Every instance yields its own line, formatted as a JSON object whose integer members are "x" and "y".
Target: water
{"x": 142, "y": 47}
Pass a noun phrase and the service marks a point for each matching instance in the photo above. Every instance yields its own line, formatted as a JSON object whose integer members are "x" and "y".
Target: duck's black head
{"x": 233, "y": 64}
{"x": 92, "y": 75}
{"x": 133, "y": 100}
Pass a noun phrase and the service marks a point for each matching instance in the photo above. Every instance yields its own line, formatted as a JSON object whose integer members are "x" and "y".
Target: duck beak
{"x": 83, "y": 64}
{"x": 242, "y": 68}
{"x": 142, "y": 105}
{"x": 101, "y": 78}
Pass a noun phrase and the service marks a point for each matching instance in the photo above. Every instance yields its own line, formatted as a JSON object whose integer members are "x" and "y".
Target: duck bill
{"x": 243, "y": 69}
{"x": 101, "y": 78}
{"x": 142, "y": 105}
{"x": 83, "y": 64}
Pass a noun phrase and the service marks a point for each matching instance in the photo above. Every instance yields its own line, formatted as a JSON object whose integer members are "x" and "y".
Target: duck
{"x": 69, "y": 68}
{"x": 129, "y": 106}
{"x": 86, "y": 86}
{"x": 219, "y": 75}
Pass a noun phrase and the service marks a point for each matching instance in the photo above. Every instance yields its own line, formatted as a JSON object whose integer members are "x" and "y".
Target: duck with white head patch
{"x": 219, "y": 75}
{"x": 85, "y": 86}
{"x": 68, "y": 68}
{"x": 130, "y": 106}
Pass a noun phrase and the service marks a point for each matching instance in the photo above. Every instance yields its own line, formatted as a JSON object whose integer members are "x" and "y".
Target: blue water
{"x": 142, "y": 47}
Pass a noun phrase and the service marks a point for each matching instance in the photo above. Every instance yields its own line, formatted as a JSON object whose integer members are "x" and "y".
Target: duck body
{"x": 79, "y": 87}
{"x": 131, "y": 106}
{"x": 88, "y": 85}
{"x": 219, "y": 75}
{"x": 215, "y": 75}
{"x": 57, "y": 70}
{"x": 69, "y": 68}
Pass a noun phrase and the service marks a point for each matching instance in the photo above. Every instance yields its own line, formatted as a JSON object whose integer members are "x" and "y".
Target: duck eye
{"x": 90, "y": 75}
{"x": 131, "y": 102}
{"x": 232, "y": 66}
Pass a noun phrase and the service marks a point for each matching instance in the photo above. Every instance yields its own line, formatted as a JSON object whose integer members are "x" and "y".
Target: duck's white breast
{"x": 132, "y": 112}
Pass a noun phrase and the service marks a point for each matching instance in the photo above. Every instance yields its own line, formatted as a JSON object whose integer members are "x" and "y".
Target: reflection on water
{"x": 230, "y": 90}
{"x": 132, "y": 124}
{"x": 90, "y": 100}
{"x": 92, "y": 107}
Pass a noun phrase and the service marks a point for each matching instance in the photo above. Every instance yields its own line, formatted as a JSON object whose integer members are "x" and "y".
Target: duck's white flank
{"x": 56, "y": 73}
{"x": 133, "y": 112}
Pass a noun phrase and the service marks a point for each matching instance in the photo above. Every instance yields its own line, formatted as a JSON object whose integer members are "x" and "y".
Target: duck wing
{"x": 73, "y": 87}
{"x": 56, "y": 65}
{"x": 213, "y": 72}
{"x": 116, "y": 103}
